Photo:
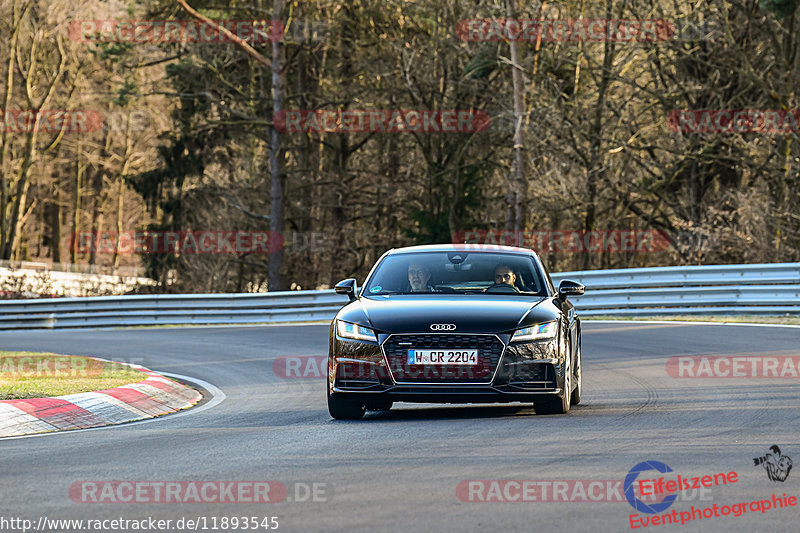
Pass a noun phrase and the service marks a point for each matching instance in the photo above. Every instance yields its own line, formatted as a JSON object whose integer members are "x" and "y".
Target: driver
{"x": 418, "y": 277}
{"x": 504, "y": 274}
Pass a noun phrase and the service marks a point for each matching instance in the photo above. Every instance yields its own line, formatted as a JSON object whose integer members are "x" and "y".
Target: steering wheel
{"x": 501, "y": 287}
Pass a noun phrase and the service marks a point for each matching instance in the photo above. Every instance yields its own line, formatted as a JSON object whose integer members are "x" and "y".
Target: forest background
{"x": 180, "y": 135}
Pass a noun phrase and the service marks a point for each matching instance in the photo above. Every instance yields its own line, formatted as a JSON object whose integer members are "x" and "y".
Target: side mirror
{"x": 567, "y": 287}
{"x": 348, "y": 287}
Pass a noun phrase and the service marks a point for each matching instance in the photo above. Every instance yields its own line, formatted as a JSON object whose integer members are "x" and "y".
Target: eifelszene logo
{"x": 630, "y": 484}
{"x": 777, "y": 465}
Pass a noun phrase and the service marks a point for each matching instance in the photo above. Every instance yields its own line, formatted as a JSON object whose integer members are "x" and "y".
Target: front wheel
{"x": 560, "y": 404}
{"x": 344, "y": 409}
{"x": 576, "y": 394}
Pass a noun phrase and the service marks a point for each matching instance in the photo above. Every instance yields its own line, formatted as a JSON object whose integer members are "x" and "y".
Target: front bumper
{"x": 451, "y": 395}
{"x": 378, "y": 373}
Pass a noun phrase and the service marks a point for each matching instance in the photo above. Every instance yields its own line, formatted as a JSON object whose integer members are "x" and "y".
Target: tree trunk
{"x": 519, "y": 182}
{"x": 277, "y": 155}
{"x": 120, "y": 205}
{"x": 4, "y": 141}
{"x": 76, "y": 207}
{"x": 595, "y": 170}
{"x": 55, "y": 226}
{"x": 21, "y": 200}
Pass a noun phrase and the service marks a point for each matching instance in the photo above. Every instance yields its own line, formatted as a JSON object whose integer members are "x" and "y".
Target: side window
{"x": 546, "y": 277}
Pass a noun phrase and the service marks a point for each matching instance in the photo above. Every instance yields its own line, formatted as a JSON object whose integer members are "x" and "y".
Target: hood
{"x": 470, "y": 314}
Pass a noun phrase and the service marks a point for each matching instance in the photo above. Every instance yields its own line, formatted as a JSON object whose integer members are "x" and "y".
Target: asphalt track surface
{"x": 399, "y": 470}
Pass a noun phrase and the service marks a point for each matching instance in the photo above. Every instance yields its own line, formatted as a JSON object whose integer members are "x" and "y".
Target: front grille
{"x": 489, "y": 347}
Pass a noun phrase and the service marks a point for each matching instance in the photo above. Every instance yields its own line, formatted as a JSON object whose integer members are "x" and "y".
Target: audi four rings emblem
{"x": 443, "y": 327}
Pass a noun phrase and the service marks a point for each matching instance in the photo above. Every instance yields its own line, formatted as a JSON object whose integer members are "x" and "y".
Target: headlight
{"x": 535, "y": 333}
{"x": 354, "y": 331}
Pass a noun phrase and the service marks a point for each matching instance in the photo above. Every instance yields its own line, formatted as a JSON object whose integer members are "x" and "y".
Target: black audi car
{"x": 455, "y": 324}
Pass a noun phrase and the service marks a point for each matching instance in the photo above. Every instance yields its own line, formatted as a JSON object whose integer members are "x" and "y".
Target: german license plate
{"x": 443, "y": 357}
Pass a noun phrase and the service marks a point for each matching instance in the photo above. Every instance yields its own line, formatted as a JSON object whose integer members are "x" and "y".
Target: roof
{"x": 472, "y": 248}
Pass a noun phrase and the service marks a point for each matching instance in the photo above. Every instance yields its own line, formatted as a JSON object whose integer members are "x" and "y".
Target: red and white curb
{"x": 154, "y": 396}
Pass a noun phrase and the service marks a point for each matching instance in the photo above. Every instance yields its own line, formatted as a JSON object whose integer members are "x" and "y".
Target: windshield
{"x": 456, "y": 272}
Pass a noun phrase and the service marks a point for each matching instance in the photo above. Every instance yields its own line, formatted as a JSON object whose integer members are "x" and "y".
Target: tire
{"x": 559, "y": 405}
{"x": 576, "y": 394}
{"x": 344, "y": 409}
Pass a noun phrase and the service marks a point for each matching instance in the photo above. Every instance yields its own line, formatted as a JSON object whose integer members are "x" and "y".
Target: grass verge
{"x": 40, "y": 375}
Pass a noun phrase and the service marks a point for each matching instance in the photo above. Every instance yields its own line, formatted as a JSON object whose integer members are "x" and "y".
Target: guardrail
{"x": 765, "y": 289}
{"x": 727, "y": 289}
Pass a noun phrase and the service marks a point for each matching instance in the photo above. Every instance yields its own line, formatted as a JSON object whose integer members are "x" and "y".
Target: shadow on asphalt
{"x": 400, "y": 413}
